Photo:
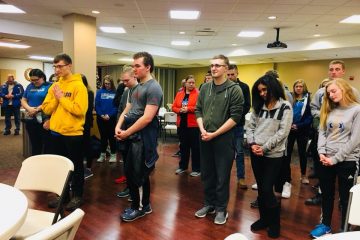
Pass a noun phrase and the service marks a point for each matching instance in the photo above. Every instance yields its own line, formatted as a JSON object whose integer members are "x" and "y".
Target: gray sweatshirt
{"x": 270, "y": 128}
{"x": 341, "y": 139}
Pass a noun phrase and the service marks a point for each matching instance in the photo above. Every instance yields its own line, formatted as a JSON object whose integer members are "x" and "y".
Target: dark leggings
{"x": 189, "y": 141}
{"x": 107, "y": 131}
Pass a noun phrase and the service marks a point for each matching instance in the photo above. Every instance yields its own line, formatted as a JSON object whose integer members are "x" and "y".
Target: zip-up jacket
{"x": 18, "y": 92}
{"x": 193, "y": 96}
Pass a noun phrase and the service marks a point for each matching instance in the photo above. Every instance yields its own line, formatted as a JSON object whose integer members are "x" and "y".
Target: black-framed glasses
{"x": 217, "y": 65}
{"x": 59, "y": 66}
{"x": 34, "y": 79}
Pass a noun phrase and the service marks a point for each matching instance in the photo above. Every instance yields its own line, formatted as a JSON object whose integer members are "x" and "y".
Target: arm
{"x": 175, "y": 108}
{"x": 20, "y": 93}
{"x": 306, "y": 120}
{"x": 315, "y": 104}
{"x": 98, "y": 103}
{"x": 50, "y": 103}
{"x": 79, "y": 104}
{"x": 31, "y": 110}
{"x": 247, "y": 101}
{"x": 321, "y": 141}
{"x": 121, "y": 121}
{"x": 250, "y": 130}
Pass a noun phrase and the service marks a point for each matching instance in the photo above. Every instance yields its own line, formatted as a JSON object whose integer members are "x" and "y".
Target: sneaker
{"x": 147, "y": 209}
{"x": 314, "y": 201}
{"x": 102, "y": 157}
{"x": 254, "y": 204}
{"x": 304, "y": 180}
{"x": 132, "y": 214}
{"x": 177, "y": 154}
{"x": 112, "y": 157}
{"x": 242, "y": 184}
{"x": 254, "y": 186}
{"x": 124, "y": 193}
{"x": 17, "y": 132}
{"x": 286, "y": 193}
{"x": 221, "y": 217}
{"x": 74, "y": 203}
{"x": 88, "y": 173}
{"x": 320, "y": 230}
{"x": 204, "y": 211}
{"x": 179, "y": 171}
{"x": 7, "y": 132}
{"x": 130, "y": 199}
{"x": 194, "y": 174}
{"x": 121, "y": 179}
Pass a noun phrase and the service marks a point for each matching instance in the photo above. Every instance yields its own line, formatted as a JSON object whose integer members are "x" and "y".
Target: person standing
{"x": 184, "y": 106}
{"x": 239, "y": 129}
{"x": 267, "y": 133}
{"x": 67, "y": 103}
{"x": 139, "y": 125}
{"x": 218, "y": 110}
{"x": 11, "y": 92}
{"x": 338, "y": 148}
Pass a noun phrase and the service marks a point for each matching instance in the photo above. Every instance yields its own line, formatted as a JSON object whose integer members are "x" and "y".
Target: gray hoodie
{"x": 270, "y": 128}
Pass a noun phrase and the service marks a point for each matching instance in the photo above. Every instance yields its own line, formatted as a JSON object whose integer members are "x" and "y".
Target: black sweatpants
{"x": 189, "y": 141}
{"x": 107, "y": 132}
{"x": 39, "y": 137}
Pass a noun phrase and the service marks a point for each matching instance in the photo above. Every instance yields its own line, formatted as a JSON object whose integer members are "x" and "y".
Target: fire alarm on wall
{"x": 351, "y": 78}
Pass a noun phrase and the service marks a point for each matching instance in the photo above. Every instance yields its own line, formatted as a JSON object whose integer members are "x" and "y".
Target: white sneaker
{"x": 254, "y": 186}
{"x": 112, "y": 157}
{"x": 304, "y": 180}
{"x": 286, "y": 193}
{"x": 102, "y": 157}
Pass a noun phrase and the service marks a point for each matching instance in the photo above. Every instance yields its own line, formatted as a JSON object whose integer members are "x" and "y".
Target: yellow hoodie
{"x": 67, "y": 113}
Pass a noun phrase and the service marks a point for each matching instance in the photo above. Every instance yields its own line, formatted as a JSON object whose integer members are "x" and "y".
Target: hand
{"x": 57, "y": 92}
{"x": 294, "y": 127}
{"x": 106, "y": 117}
{"x": 326, "y": 161}
{"x": 207, "y": 136}
{"x": 46, "y": 124}
{"x": 32, "y": 111}
{"x": 184, "y": 109}
{"x": 257, "y": 150}
{"x": 122, "y": 135}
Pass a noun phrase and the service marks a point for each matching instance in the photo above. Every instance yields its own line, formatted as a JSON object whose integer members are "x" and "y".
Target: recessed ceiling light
{"x": 250, "y": 34}
{"x": 317, "y": 35}
{"x": 95, "y": 12}
{"x": 182, "y": 33}
{"x": 7, "y": 8}
{"x": 124, "y": 59}
{"x": 41, "y": 58}
{"x": 233, "y": 44}
{"x": 113, "y": 29}
{"x": 232, "y": 62}
{"x": 180, "y": 43}
{"x": 272, "y": 17}
{"x": 351, "y": 19}
{"x": 13, "y": 45}
{"x": 189, "y": 15}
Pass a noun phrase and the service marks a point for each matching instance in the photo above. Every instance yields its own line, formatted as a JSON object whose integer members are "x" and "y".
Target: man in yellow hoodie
{"x": 67, "y": 102}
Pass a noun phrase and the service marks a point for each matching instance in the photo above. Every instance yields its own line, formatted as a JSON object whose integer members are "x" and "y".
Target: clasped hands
{"x": 257, "y": 150}
{"x": 326, "y": 161}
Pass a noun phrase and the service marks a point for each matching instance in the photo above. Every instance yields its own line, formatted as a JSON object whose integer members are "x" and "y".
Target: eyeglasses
{"x": 34, "y": 79}
{"x": 107, "y": 83}
{"x": 216, "y": 65}
{"x": 59, "y": 66}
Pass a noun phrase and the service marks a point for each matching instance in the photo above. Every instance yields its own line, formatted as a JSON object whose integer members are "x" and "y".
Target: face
{"x": 10, "y": 79}
{"x": 334, "y": 92}
{"x": 262, "y": 91}
{"x": 218, "y": 68}
{"x": 208, "y": 79}
{"x": 190, "y": 84}
{"x": 299, "y": 88}
{"x": 107, "y": 84}
{"x": 128, "y": 80}
{"x": 336, "y": 71}
{"x": 62, "y": 69}
{"x": 140, "y": 70}
{"x": 36, "y": 81}
{"x": 232, "y": 74}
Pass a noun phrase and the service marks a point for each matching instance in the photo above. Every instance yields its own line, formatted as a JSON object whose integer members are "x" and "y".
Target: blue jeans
{"x": 239, "y": 150}
{"x": 9, "y": 111}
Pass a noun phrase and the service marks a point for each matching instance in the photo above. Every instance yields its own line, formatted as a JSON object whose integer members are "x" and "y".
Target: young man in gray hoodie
{"x": 219, "y": 108}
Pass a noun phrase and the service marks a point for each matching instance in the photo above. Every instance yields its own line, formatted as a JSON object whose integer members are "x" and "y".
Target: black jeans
{"x": 107, "y": 132}
{"x": 9, "y": 111}
{"x": 345, "y": 172}
{"x": 71, "y": 147}
{"x": 189, "y": 140}
{"x": 39, "y": 137}
{"x": 266, "y": 172}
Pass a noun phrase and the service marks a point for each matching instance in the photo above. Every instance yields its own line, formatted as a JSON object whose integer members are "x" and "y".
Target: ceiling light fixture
{"x": 180, "y": 43}
{"x": 182, "y": 33}
{"x": 234, "y": 44}
{"x": 272, "y": 17}
{"x": 187, "y": 15}
{"x": 13, "y": 45}
{"x": 351, "y": 19}
{"x": 125, "y": 59}
{"x": 317, "y": 35}
{"x": 95, "y": 12}
{"x": 113, "y": 29}
{"x": 45, "y": 58}
{"x": 7, "y": 8}
{"x": 250, "y": 34}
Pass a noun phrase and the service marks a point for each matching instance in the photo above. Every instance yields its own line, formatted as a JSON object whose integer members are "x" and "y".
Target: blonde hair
{"x": 348, "y": 97}
{"x": 305, "y": 89}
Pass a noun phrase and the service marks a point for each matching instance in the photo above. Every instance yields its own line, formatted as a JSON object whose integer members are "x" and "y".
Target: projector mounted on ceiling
{"x": 277, "y": 44}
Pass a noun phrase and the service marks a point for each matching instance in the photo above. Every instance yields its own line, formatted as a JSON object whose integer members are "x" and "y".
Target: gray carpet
{"x": 11, "y": 149}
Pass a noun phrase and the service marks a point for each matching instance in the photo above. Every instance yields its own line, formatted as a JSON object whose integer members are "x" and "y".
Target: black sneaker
{"x": 7, "y": 132}
{"x": 314, "y": 201}
{"x": 147, "y": 209}
{"x": 88, "y": 173}
{"x": 132, "y": 214}
{"x": 75, "y": 203}
{"x": 124, "y": 193}
{"x": 254, "y": 204}
{"x": 16, "y": 132}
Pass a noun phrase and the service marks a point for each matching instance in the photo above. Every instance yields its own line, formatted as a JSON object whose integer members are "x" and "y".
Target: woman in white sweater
{"x": 339, "y": 149}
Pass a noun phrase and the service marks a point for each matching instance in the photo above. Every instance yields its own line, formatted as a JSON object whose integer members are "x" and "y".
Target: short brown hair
{"x": 341, "y": 62}
{"x": 223, "y": 57}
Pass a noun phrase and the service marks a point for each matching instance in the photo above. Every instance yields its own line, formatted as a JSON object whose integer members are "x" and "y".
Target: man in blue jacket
{"x": 11, "y": 92}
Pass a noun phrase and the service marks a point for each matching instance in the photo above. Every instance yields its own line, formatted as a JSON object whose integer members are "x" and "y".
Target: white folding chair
{"x": 169, "y": 122}
{"x": 47, "y": 173}
{"x": 64, "y": 229}
{"x": 353, "y": 209}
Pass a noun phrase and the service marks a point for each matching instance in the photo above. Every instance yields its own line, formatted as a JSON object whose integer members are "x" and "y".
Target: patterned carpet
{"x": 11, "y": 149}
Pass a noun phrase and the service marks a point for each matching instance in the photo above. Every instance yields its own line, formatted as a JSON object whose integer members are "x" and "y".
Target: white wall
{"x": 20, "y": 66}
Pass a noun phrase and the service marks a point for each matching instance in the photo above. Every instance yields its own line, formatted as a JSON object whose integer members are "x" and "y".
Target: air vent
{"x": 205, "y": 33}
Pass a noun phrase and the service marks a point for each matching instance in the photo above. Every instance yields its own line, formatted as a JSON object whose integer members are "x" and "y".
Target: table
{"x": 13, "y": 210}
{"x": 342, "y": 236}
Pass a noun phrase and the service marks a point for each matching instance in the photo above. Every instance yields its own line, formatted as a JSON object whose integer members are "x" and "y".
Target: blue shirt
{"x": 36, "y": 95}
{"x": 104, "y": 103}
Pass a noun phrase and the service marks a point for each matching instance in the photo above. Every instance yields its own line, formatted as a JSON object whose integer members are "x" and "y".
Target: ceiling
{"x": 149, "y": 28}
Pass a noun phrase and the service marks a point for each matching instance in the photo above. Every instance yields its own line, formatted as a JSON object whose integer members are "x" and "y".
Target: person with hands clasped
{"x": 338, "y": 148}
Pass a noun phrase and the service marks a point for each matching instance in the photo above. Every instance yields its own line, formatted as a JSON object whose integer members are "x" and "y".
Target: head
{"x": 219, "y": 66}
{"x": 273, "y": 73}
{"x": 337, "y": 93}
{"x": 10, "y": 79}
{"x": 108, "y": 83}
{"x": 143, "y": 64}
{"x": 232, "y": 72}
{"x": 183, "y": 82}
{"x": 190, "y": 83}
{"x": 265, "y": 90}
{"x": 62, "y": 65}
{"x": 37, "y": 77}
{"x": 336, "y": 69}
{"x": 208, "y": 77}
{"x": 299, "y": 88}
{"x": 324, "y": 82}
{"x": 128, "y": 77}
{"x": 52, "y": 78}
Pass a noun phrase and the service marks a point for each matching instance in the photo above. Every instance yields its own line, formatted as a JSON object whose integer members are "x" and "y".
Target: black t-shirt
{"x": 183, "y": 116}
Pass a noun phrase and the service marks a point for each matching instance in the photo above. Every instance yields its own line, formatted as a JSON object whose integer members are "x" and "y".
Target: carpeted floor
{"x": 11, "y": 149}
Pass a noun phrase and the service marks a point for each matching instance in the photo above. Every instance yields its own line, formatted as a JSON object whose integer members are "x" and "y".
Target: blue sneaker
{"x": 320, "y": 230}
{"x": 132, "y": 214}
{"x": 147, "y": 209}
